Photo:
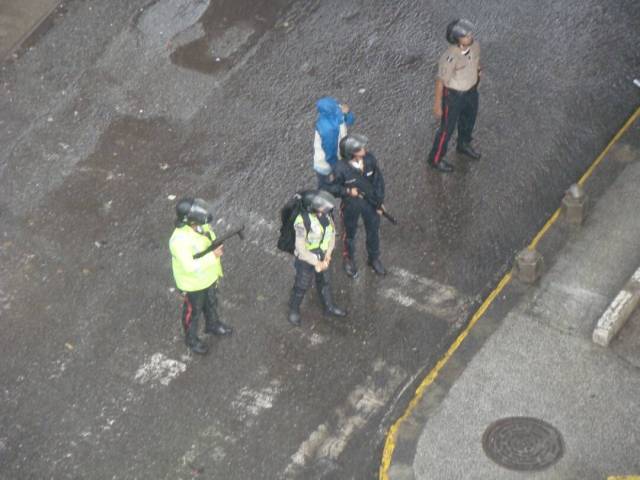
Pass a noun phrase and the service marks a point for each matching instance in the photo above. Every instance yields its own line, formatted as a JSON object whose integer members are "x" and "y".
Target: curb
{"x": 618, "y": 312}
{"x": 395, "y": 465}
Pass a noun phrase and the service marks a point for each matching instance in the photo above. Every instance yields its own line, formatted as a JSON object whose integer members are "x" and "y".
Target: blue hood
{"x": 330, "y": 117}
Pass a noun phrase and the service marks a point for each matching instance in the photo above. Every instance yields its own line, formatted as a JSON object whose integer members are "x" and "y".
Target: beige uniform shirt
{"x": 458, "y": 71}
{"x": 313, "y": 236}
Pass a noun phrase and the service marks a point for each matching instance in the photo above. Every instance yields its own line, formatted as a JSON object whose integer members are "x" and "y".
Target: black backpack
{"x": 294, "y": 207}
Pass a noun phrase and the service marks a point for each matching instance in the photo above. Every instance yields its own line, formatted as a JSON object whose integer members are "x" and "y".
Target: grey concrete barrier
{"x": 618, "y": 311}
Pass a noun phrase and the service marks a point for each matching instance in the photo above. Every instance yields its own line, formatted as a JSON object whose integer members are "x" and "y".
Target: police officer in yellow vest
{"x": 315, "y": 239}
{"x": 197, "y": 278}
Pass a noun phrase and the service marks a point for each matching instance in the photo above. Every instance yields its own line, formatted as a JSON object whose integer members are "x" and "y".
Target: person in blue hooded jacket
{"x": 331, "y": 127}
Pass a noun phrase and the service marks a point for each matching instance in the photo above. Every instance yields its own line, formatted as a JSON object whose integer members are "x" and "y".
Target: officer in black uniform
{"x": 360, "y": 184}
{"x": 456, "y": 94}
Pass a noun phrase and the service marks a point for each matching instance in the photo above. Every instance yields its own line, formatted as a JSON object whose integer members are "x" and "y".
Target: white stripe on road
{"x": 159, "y": 369}
{"x": 330, "y": 438}
{"x": 424, "y": 295}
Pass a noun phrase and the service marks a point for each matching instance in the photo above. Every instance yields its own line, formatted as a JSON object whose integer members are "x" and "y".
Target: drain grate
{"x": 523, "y": 443}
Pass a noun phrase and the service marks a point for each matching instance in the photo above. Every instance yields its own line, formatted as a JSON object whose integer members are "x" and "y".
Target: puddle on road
{"x": 132, "y": 160}
{"x": 225, "y": 32}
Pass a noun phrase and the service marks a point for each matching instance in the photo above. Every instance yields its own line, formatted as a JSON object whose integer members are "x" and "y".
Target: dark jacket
{"x": 370, "y": 182}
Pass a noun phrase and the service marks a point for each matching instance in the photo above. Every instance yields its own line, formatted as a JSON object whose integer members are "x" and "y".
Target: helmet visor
{"x": 320, "y": 201}
{"x": 200, "y": 212}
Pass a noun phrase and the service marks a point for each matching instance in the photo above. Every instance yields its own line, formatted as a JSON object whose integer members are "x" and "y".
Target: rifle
{"x": 388, "y": 216}
{"x": 365, "y": 193}
{"x": 380, "y": 207}
{"x": 220, "y": 241}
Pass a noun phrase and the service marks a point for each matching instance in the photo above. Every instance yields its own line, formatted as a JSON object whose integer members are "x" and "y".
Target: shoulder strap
{"x": 307, "y": 222}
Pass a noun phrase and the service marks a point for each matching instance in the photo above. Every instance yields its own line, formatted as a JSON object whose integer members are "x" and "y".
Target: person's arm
{"x": 332, "y": 242}
{"x": 479, "y": 63}
{"x": 378, "y": 182}
{"x": 341, "y": 135}
{"x": 437, "y": 102}
{"x": 445, "y": 72}
{"x": 319, "y": 156}
{"x": 337, "y": 188}
{"x": 349, "y": 117}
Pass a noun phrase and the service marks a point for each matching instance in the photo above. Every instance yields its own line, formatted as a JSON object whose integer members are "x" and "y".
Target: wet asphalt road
{"x": 120, "y": 104}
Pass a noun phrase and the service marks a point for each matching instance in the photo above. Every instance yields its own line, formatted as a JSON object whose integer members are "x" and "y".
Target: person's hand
{"x": 219, "y": 251}
{"x": 353, "y": 192}
{"x": 437, "y": 111}
{"x": 379, "y": 210}
{"x": 322, "y": 266}
{"x": 344, "y": 107}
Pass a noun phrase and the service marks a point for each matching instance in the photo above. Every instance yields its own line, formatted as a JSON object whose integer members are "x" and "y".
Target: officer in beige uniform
{"x": 315, "y": 238}
{"x": 456, "y": 96}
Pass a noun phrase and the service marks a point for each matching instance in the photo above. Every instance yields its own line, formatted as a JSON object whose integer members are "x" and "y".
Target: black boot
{"x": 218, "y": 328}
{"x": 327, "y": 300}
{"x": 442, "y": 166}
{"x": 350, "y": 267}
{"x": 467, "y": 149}
{"x": 294, "y": 306}
{"x": 196, "y": 345}
{"x": 377, "y": 266}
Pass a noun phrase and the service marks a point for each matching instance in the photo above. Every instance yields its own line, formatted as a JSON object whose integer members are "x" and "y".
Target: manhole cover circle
{"x": 522, "y": 443}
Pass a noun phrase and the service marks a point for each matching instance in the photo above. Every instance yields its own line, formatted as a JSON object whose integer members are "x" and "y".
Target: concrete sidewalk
{"x": 533, "y": 356}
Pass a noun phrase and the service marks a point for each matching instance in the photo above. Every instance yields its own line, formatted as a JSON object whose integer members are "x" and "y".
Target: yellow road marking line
{"x": 392, "y": 434}
{"x": 627, "y": 477}
{"x": 617, "y": 136}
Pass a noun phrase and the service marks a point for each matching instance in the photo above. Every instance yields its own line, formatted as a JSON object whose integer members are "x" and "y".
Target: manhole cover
{"x": 522, "y": 443}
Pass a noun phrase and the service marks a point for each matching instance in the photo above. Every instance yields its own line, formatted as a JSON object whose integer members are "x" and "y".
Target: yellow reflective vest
{"x": 193, "y": 274}
{"x": 316, "y": 233}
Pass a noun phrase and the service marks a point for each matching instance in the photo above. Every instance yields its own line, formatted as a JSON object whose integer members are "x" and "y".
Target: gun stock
{"x": 388, "y": 216}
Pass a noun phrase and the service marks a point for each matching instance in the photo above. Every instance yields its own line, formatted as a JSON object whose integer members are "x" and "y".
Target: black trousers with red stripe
{"x": 458, "y": 108}
{"x": 202, "y": 301}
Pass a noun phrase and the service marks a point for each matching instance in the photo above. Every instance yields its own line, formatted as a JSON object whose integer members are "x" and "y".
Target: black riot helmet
{"x": 319, "y": 201}
{"x": 459, "y": 28}
{"x": 351, "y": 144}
{"x": 192, "y": 210}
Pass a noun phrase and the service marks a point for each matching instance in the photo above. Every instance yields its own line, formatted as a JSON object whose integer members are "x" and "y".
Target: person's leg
{"x": 372, "y": 228}
{"x": 302, "y": 282}
{"x": 450, "y": 113}
{"x": 350, "y": 212}
{"x": 466, "y": 123}
{"x": 212, "y": 320}
{"x": 191, "y": 309}
{"x": 323, "y": 285}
